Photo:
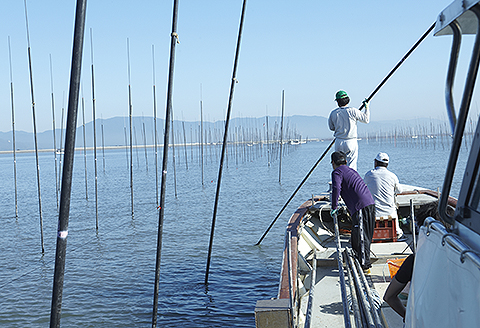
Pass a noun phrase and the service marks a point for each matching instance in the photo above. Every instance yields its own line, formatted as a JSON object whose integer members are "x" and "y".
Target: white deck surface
{"x": 328, "y": 308}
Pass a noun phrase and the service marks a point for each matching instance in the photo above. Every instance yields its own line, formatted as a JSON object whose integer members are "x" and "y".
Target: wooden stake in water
{"x": 64, "y": 213}
{"x": 229, "y": 110}
{"x": 173, "y": 42}
{"x": 13, "y": 131}
{"x": 281, "y": 138}
{"x": 130, "y": 117}
{"x": 34, "y": 129}
{"x": 94, "y": 119}
{"x": 155, "y": 123}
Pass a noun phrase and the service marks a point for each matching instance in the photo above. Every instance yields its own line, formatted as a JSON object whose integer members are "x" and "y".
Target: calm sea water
{"x": 110, "y": 272}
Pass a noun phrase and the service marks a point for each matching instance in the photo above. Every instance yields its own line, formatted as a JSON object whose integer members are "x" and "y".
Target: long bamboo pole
{"x": 161, "y": 214}
{"x": 94, "y": 130}
{"x": 224, "y": 146}
{"x": 34, "y": 130}
{"x": 130, "y": 118}
{"x": 62, "y": 234}
{"x": 333, "y": 141}
{"x": 155, "y": 123}
{"x": 84, "y": 146}
{"x": 13, "y": 130}
{"x": 281, "y": 138}
{"x": 54, "y": 128}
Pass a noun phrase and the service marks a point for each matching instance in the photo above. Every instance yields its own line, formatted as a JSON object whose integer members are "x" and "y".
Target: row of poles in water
{"x": 69, "y": 149}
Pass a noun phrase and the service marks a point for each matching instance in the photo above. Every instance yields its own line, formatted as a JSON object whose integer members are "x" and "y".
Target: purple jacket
{"x": 348, "y": 183}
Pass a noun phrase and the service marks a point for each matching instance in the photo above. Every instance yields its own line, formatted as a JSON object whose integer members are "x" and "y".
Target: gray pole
{"x": 61, "y": 250}
{"x": 34, "y": 130}
{"x": 13, "y": 131}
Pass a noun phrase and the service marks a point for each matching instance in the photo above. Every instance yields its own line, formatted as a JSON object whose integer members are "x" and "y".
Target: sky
{"x": 308, "y": 49}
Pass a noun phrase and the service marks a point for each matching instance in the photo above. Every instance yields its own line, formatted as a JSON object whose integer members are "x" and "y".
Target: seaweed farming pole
{"x": 54, "y": 138}
{"x": 385, "y": 79}
{"x": 34, "y": 128}
{"x": 155, "y": 123}
{"x": 130, "y": 118}
{"x": 103, "y": 146}
{"x": 61, "y": 140}
{"x": 145, "y": 144}
{"x": 281, "y": 138}
{"x": 201, "y": 131}
{"x": 61, "y": 250}
{"x": 13, "y": 131}
{"x": 224, "y": 146}
{"x": 174, "y": 164}
{"x": 161, "y": 213}
{"x": 84, "y": 145}
{"x": 185, "y": 144}
{"x": 94, "y": 130}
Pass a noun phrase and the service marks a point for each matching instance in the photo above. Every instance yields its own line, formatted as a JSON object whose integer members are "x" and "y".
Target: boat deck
{"x": 327, "y": 309}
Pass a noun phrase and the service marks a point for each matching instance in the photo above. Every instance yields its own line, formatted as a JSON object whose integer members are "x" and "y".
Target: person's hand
{"x": 333, "y": 212}
{"x": 366, "y": 103}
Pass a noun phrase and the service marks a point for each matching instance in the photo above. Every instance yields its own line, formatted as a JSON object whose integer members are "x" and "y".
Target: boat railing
{"x": 292, "y": 298}
{"x": 450, "y": 22}
{"x": 311, "y": 293}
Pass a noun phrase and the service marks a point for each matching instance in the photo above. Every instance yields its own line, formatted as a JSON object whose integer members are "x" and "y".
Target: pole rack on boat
{"x": 67, "y": 176}
{"x": 224, "y": 145}
{"x": 168, "y": 111}
{"x": 333, "y": 141}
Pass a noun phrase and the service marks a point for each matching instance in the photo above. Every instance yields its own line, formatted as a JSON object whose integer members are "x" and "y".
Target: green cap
{"x": 340, "y": 95}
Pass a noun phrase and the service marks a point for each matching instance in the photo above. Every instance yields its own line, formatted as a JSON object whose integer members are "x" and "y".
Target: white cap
{"x": 382, "y": 157}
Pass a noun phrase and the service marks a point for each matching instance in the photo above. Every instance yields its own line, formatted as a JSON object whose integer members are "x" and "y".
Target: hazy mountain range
{"x": 116, "y": 131}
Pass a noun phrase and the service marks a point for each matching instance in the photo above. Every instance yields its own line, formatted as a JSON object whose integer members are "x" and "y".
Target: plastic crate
{"x": 385, "y": 230}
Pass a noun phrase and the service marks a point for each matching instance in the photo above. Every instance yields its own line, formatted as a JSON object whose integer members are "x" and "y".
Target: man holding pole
{"x": 343, "y": 120}
{"x": 346, "y": 182}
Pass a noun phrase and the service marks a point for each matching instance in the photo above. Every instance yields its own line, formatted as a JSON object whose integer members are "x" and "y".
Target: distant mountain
{"x": 116, "y": 131}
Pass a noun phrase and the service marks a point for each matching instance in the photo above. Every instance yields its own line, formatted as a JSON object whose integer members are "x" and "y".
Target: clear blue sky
{"x": 310, "y": 49}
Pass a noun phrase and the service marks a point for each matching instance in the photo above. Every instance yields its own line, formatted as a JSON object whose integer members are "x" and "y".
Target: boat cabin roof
{"x": 458, "y": 10}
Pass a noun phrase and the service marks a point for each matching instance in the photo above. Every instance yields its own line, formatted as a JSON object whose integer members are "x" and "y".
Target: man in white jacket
{"x": 384, "y": 185}
{"x": 343, "y": 120}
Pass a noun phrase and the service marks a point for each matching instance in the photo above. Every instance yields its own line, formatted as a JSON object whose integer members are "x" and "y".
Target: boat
{"x": 322, "y": 284}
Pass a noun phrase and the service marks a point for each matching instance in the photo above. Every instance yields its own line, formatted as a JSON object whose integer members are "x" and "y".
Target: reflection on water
{"x": 109, "y": 273}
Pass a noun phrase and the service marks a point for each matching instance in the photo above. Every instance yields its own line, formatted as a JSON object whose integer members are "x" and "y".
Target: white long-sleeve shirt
{"x": 383, "y": 185}
{"x": 343, "y": 120}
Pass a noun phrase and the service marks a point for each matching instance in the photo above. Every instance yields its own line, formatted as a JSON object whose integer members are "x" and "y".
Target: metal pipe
{"x": 61, "y": 250}
{"x": 173, "y": 41}
{"x": 224, "y": 145}
{"x": 460, "y": 127}
{"x": 452, "y": 68}
{"x": 13, "y": 133}
{"x": 34, "y": 130}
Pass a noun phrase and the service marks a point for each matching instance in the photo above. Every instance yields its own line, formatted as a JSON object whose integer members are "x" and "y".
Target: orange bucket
{"x": 394, "y": 265}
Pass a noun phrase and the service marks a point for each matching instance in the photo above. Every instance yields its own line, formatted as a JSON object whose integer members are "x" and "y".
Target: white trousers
{"x": 350, "y": 148}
